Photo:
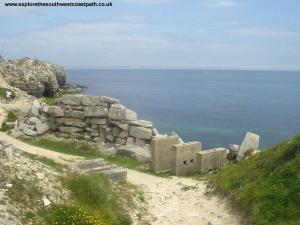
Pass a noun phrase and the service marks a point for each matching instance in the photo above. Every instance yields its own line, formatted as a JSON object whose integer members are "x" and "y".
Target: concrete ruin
{"x": 161, "y": 152}
{"x": 184, "y": 158}
{"x": 211, "y": 159}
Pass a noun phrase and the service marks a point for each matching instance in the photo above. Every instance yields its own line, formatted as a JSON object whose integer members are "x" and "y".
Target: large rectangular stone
{"x": 184, "y": 160}
{"x": 161, "y": 148}
{"x": 95, "y": 111}
{"x": 211, "y": 159}
{"x": 140, "y": 132}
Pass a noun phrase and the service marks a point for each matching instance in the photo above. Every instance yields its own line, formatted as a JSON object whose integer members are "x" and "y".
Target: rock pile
{"x": 22, "y": 175}
{"x": 99, "y": 119}
{"x": 33, "y": 76}
{"x": 35, "y": 123}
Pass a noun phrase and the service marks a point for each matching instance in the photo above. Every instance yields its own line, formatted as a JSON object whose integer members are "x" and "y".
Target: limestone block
{"x": 88, "y": 100}
{"x": 140, "y": 132}
{"x": 74, "y": 122}
{"x": 123, "y": 134}
{"x": 136, "y": 152}
{"x": 95, "y": 111}
{"x": 71, "y": 99}
{"x": 122, "y": 113}
{"x": 101, "y": 121}
{"x": 74, "y": 114}
{"x": 66, "y": 129}
{"x": 141, "y": 123}
{"x": 55, "y": 111}
{"x": 250, "y": 142}
{"x": 129, "y": 141}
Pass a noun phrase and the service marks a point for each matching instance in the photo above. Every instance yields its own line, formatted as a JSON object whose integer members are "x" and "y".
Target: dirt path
{"x": 181, "y": 201}
{"x": 58, "y": 157}
{"x": 172, "y": 201}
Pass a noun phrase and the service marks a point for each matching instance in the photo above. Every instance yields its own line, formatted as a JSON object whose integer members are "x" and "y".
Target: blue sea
{"x": 216, "y": 107}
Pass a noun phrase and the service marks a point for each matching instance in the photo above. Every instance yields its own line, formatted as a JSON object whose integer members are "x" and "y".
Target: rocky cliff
{"x": 36, "y": 77}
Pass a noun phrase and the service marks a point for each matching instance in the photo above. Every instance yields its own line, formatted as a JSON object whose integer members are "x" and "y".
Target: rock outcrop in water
{"x": 35, "y": 77}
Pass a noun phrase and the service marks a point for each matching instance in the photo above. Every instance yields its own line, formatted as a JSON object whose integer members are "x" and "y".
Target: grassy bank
{"x": 84, "y": 150}
{"x": 266, "y": 185}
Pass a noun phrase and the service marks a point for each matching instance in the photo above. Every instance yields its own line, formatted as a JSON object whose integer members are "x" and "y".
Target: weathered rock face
{"x": 99, "y": 119}
{"x": 33, "y": 76}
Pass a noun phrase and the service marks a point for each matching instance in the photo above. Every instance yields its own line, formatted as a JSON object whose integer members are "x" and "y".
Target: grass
{"x": 84, "y": 150}
{"x": 93, "y": 203}
{"x": 24, "y": 192}
{"x": 266, "y": 185}
{"x": 10, "y": 118}
{"x": 54, "y": 165}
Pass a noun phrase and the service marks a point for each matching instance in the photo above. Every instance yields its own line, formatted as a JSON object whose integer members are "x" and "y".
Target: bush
{"x": 266, "y": 185}
{"x": 10, "y": 118}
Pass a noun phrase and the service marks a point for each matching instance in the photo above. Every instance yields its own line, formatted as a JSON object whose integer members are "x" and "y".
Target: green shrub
{"x": 267, "y": 185}
{"x": 10, "y": 118}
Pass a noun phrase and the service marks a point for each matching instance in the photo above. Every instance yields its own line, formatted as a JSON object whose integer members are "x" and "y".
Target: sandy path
{"x": 57, "y": 157}
{"x": 181, "y": 201}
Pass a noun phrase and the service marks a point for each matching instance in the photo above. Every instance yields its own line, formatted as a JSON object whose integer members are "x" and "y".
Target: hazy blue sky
{"x": 258, "y": 34}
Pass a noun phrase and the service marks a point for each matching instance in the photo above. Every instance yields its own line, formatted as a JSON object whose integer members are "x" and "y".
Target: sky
{"x": 191, "y": 34}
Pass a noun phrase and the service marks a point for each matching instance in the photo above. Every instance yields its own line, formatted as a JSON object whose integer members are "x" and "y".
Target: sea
{"x": 216, "y": 107}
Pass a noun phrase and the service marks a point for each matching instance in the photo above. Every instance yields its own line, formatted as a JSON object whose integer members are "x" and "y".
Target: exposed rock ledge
{"x": 35, "y": 77}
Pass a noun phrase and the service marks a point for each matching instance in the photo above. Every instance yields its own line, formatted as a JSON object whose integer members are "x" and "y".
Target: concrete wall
{"x": 184, "y": 158}
{"x": 161, "y": 153}
{"x": 211, "y": 159}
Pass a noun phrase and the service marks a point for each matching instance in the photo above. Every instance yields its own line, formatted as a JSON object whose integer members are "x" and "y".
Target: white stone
{"x": 250, "y": 142}
{"x": 46, "y": 201}
{"x": 40, "y": 176}
{"x": 140, "y": 132}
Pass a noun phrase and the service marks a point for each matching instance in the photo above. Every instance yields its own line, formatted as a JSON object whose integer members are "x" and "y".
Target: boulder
{"x": 122, "y": 113}
{"x": 140, "y": 142}
{"x": 34, "y": 120}
{"x": 95, "y": 111}
{"x": 155, "y": 132}
{"x": 136, "y": 152}
{"x": 141, "y": 132}
{"x": 35, "y": 108}
{"x": 123, "y": 134}
{"x": 42, "y": 128}
{"x": 121, "y": 141}
{"x": 55, "y": 111}
{"x": 30, "y": 132}
{"x": 250, "y": 143}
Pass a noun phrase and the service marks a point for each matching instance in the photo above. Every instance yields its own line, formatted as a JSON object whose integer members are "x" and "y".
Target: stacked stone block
{"x": 99, "y": 119}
